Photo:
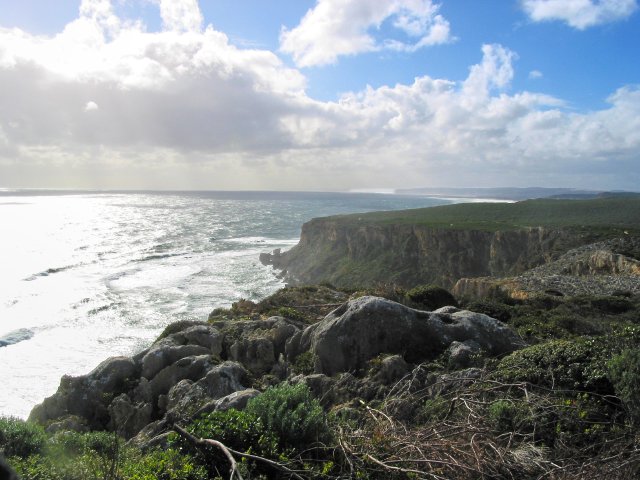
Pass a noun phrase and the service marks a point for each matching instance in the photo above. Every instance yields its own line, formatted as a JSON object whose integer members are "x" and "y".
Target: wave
{"x": 102, "y": 308}
{"x": 262, "y": 240}
{"x": 149, "y": 206}
{"x": 48, "y": 271}
{"x": 16, "y": 336}
{"x": 160, "y": 256}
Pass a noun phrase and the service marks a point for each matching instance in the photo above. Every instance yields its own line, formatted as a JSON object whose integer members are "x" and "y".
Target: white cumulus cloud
{"x": 105, "y": 103}
{"x": 346, "y": 27}
{"x": 181, "y": 15}
{"x": 579, "y": 14}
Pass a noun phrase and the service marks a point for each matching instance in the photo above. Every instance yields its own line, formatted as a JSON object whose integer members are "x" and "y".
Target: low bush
{"x": 508, "y": 416}
{"x": 624, "y": 373}
{"x": 163, "y": 465}
{"x": 390, "y": 291}
{"x": 75, "y": 443}
{"x": 303, "y": 364}
{"x": 287, "y": 312}
{"x": 292, "y": 413}
{"x": 612, "y": 304}
{"x": 495, "y": 309}
{"x": 431, "y": 297}
{"x": 239, "y": 430}
{"x": 576, "y": 365}
{"x": 19, "y": 438}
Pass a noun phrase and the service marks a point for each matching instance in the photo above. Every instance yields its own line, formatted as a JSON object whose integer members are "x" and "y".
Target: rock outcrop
{"x": 600, "y": 268}
{"x": 200, "y": 368}
{"x": 368, "y": 326}
{"x": 192, "y": 367}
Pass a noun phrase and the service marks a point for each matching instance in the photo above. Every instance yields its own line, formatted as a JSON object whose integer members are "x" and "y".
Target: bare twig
{"x": 229, "y": 452}
{"x": 399, "y": 469}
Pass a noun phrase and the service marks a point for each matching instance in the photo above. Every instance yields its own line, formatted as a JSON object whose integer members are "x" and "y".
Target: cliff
{"x": 407, "y": 255}
{"x": 444, "y": 244}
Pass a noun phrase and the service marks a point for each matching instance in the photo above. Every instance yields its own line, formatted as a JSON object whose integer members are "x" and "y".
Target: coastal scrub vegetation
{"x": 599, "y": 217}
{"x": 564, "y": 407}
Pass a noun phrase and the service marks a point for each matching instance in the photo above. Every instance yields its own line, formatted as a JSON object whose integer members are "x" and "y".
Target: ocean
{"x": 85, "y": 275}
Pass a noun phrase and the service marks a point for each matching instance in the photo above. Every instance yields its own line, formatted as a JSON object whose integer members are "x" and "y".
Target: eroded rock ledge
{"x": 600, "y": 268}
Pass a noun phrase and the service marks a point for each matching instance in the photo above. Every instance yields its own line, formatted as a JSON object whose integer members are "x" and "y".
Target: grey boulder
{"x": 365, "y": 327}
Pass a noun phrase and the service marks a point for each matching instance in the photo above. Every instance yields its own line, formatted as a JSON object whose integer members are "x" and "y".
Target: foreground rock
{"x": 192, "y": 367}
{"x": 368, "y": 326}
{"x": 198, "y": 368}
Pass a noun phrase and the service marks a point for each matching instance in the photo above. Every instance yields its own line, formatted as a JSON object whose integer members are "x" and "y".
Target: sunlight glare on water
{"x": 88, "y": 276}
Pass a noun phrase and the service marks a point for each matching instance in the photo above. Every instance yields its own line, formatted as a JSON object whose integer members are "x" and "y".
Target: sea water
{"x": 85, "y": 276}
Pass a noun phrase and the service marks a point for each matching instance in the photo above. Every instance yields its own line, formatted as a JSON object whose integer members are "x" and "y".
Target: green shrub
{"x": 88, "y": 466}
{"x": 497, "y": 310}
{"x": 578, "y": 365}
{"x": 243, "y": 307}
{"x": 287, "y": 312}
{"x": 612, "y": 304}
{"x": 291, "y": 412}
{"x": 303, "y": 364}
{"x": 19, "y": 438}
{"x": 624, "y": 372}
{"x": 390, "y": 291}
{"x": 431, "y": 297}
{"x": 574, "y": 324}
{"x": 163, "y": 465}
{"x": 75, "y": 443}
{"x": 509, "y": 416}
{"x": 544, "y": 302}
{"x": 435, "y": 409}
{"x": 239, "y": 430}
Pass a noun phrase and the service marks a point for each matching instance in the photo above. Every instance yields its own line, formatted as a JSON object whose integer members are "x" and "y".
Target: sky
{"x": 324, "y": 95}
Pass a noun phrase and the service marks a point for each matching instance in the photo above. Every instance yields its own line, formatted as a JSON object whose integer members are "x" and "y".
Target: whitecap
{"x": 16, "y": 336}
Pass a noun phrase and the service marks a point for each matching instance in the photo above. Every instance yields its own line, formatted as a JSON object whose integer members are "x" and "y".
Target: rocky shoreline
{"x": 199, "y": 368}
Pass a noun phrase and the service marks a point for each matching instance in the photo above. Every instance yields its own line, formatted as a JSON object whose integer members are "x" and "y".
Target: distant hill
{"x": 613, "y": 213}
{"x": 506, "y": 193}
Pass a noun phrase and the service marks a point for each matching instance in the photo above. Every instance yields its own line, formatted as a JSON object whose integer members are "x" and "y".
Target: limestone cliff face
{"x": 354, "y": 254}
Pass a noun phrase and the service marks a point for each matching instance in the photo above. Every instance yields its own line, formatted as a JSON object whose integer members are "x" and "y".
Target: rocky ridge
{"x": 600, "y": 268}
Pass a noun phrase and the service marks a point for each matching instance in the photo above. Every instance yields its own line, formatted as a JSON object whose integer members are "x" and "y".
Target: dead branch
{"x": 399, "y": 469}
{"x": 229, "y": 452}
{"x": 233, "y": 470}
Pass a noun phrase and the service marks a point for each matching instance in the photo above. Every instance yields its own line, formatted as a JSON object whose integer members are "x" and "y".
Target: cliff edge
{"x": 444, "y": 244}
